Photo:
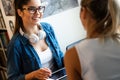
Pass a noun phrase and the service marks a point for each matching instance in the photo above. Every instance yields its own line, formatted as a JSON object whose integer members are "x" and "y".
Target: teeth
{"x": 36, "y": 18}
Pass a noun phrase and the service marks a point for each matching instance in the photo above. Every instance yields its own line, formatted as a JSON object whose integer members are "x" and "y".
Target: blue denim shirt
{"x": 22, "y": 57}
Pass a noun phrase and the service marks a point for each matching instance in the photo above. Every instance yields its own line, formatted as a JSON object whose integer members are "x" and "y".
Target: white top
{"x": 99, "y": 61}
{"x": 46, "y": 58}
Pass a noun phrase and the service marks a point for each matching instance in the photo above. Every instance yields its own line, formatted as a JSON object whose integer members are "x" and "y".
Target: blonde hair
{"x": 114, "y": 7}
{"x": 104, "y": 18}
{"x": 100, "y": 13}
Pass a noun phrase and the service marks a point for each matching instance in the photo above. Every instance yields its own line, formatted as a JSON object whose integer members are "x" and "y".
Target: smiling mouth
{"x": 36, "y": 18}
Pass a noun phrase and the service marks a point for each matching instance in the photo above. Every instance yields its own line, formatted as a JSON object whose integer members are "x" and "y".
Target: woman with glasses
{"x": 33, "y": 52}
{"x": 98, "y": 56}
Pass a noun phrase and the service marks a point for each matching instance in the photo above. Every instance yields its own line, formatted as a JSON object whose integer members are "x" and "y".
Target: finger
{"x": 44, "y": 74}
{"x": 46, "y": 70}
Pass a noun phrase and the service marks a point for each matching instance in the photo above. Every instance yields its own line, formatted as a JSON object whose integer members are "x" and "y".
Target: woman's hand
{"x": 40, "y": 74}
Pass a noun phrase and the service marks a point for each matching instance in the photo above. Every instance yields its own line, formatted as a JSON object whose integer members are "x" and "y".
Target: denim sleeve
{"x": 49, "y": 28}
{"x": 54, "y": 40}
{"x": 13, "y": 63}
{"x": 59, "y": 51}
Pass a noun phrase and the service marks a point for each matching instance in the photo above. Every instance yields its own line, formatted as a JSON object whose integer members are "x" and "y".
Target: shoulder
{"x": 46, "y": 25}
{"x": 72, "y": 64}
{"x": 71, "y": 57}
{"x": 15, "y": 41}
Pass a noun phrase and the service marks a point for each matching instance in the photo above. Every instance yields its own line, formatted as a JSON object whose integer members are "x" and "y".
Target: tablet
{"x": 59, "y": 74}
{"x": 62, "y": 78}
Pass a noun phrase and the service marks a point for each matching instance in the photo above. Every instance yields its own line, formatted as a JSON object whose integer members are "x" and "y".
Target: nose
{"x": 37, "y": 13}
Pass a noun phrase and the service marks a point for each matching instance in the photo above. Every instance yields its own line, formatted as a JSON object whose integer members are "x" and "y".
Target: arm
{"x": 16, "y": 67}
{"x": 13, "y": 64}
{"x": 40, "y": 74}
{"x": 57, "y": 46}
{"x": 72, "y": 65}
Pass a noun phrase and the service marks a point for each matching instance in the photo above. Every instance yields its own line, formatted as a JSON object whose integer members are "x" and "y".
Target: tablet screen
{"x": 59, "y": 74}
{"x": 62, "y": 78}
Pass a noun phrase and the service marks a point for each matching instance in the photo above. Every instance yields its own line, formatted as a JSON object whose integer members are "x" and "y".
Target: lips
{"x": 36, "y": 18}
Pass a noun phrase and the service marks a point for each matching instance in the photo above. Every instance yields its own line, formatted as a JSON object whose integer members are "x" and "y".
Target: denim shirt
{"x": 22, "y": 57}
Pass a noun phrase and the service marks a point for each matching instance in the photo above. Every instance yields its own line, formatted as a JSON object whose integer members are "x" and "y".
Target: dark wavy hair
{"x": 18, "y": 4}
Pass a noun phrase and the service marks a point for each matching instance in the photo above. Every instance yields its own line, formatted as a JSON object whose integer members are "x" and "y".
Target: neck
{"x": 31, "y": 29}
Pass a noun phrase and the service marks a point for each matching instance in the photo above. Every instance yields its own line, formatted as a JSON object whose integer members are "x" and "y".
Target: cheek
{"x": 83, "y": 23}
{"x": 41, "y": 15}
{"x": 26, "y": 17}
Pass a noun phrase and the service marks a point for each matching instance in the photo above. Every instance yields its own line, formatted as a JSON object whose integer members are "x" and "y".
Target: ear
{"x": 83, "y": 17}
{"x": 20, "y": 13}
{"x": 83, "y": 13}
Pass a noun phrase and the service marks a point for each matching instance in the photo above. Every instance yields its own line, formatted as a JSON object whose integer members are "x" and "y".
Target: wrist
{"x": 29, "y": 76}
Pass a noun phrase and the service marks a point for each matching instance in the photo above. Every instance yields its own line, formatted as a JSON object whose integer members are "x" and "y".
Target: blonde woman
{"x": 98, "y": 56}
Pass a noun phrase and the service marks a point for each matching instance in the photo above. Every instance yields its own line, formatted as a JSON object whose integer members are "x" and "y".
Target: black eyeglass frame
{"x": 32, "y": 9}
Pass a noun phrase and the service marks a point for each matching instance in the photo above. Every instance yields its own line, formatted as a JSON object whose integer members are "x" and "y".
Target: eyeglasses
{"x": 33, "y": 9}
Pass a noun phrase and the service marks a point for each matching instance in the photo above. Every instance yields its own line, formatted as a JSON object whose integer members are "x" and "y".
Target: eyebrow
{"x": 33, "y": 6}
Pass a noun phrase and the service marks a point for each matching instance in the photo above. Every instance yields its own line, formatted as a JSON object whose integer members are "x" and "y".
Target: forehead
{"x": 34, "y": 3}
